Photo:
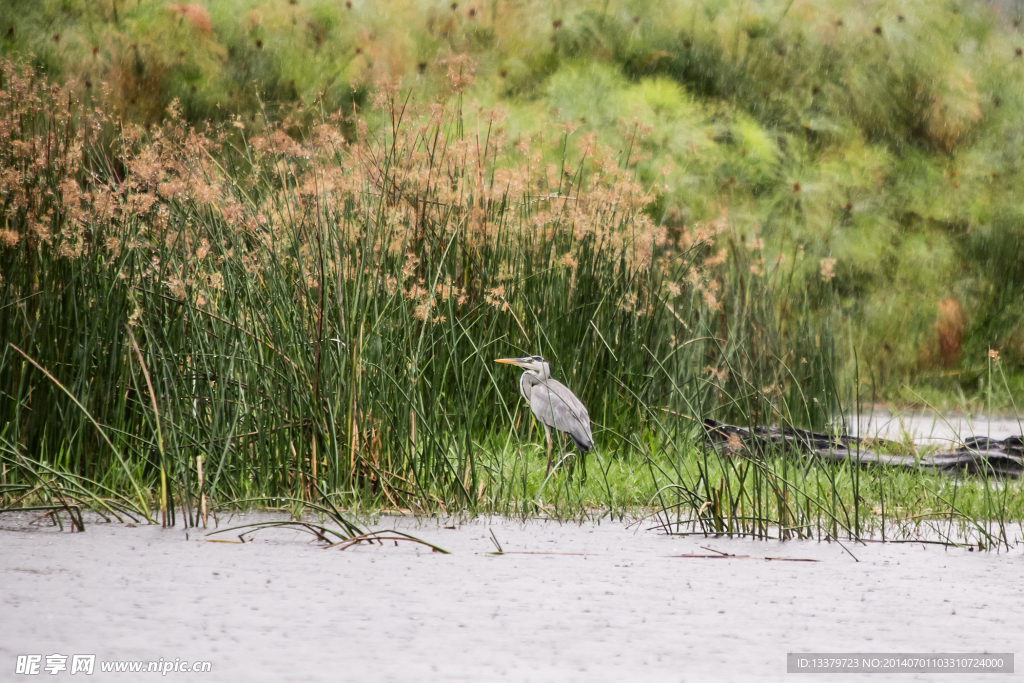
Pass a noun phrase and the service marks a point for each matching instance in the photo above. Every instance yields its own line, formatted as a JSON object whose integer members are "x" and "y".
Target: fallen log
{"x": 978, "y": 455}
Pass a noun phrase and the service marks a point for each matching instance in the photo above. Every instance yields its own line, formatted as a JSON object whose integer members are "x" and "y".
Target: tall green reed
{"x": 301, "y": 314}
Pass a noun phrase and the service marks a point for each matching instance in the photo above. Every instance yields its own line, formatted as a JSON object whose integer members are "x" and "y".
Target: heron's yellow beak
{"x": 518, "y": 362}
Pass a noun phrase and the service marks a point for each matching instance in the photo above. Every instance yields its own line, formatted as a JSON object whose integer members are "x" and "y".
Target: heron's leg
{"x": 564, "y": 456}
{"x": 547, "y": 435}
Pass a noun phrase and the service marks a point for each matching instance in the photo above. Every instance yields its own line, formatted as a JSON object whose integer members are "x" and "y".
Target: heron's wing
{"x": 554, "y": 405}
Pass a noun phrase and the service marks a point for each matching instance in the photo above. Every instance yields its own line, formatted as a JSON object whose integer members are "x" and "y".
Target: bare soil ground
{"x": 566, "y": 602}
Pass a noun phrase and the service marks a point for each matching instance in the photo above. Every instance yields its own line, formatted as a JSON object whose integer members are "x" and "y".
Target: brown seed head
{"x": 472, "y": 12}
{"x": 259, "y": 44}
{"x": 455, "y": 6}
{"x": 878, "y": 30}
{"x": 796, "y": 187}
{"x": 55, "y": 38}
{"x": 827, "y": 270}
{"x": 636, "y": 20}
{"x": 1018, "y": 52}
{"x": 422, "y": 66}
{"x": 556, "y": 24}
{"x": 900, "y": 18}
{"x": 503, "y": 73}
{"x": 348, "y": 4}
{"x": 839, "y": 23}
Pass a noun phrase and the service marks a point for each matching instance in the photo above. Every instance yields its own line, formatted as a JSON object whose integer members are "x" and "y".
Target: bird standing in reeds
{"x": 552, "y": 403}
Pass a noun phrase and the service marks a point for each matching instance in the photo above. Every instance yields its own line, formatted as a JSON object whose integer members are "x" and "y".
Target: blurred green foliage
{"x": 886, "y": 136}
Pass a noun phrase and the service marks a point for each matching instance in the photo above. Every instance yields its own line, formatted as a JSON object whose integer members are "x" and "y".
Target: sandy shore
{"x": 595, "y": 602}
{"x": 946, "y": 431}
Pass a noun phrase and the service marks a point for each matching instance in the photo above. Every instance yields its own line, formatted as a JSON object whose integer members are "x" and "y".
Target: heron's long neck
{"x": 526, "y": 382}
{"x": 530, "y": 378}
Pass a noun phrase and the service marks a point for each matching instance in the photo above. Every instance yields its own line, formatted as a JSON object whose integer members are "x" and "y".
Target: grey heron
{"x": 552, "y": 403}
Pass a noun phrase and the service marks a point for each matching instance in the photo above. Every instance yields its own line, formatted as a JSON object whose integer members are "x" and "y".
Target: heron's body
{"x": 552, "y": 403}
{"x": 556, "y": 407}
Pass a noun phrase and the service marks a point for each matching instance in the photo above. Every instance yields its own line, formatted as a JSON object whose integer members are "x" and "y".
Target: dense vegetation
{"x": 287, "y": 239}
{"x": 884, "y": 136}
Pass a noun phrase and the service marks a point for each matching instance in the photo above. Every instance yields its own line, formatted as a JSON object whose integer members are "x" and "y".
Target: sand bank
{"x": 568, "y": 602}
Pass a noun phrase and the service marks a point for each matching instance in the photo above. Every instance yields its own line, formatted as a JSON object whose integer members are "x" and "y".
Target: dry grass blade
{"x": 712, "y": 550}
{"x": 494, "y": 540}
{"x": 791, "y": 559}
{"x": 381, "y": 536}
{"x": 320, "y": 532}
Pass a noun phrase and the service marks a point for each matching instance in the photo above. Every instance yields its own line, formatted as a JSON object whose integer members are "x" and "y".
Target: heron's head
{"x": 532, "y": 364}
